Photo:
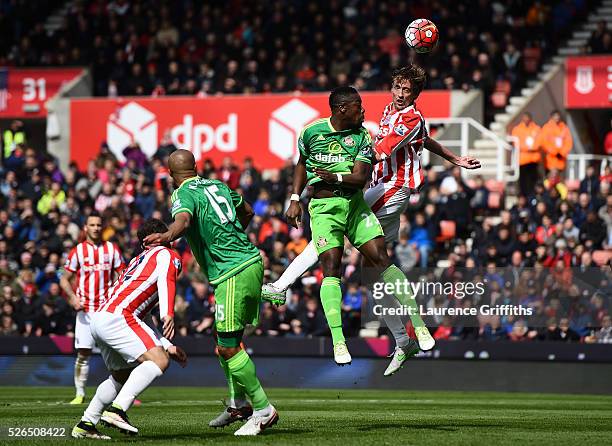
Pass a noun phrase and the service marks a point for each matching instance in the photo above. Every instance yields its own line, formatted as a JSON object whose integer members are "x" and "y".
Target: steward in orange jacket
{"x": 556, "y": 141}
{"x": 527, "y": 134}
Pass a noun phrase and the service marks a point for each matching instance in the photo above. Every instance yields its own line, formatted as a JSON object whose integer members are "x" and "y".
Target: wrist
{"x": 294, "y": 197}
{"x": 338, "y": 178}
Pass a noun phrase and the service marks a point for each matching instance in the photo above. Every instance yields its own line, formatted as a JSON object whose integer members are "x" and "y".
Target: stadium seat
{"x": 495, "y": 186}
{"x": 448, "y": 230}
{"x": 531, "y": 59}
{"x": 572, "y": 184}
{"x": 494, "y": 200}
{"x": 602, "y": 257}
{"x": 499, "y": 99}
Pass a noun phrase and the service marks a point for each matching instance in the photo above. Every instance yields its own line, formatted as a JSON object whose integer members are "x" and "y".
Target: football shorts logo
{"x": 401, "y": 129}
{"x": 349, "y": 141}
{"x": 321, "y": 242}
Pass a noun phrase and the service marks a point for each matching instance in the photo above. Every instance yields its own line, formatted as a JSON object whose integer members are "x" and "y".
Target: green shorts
{"x": 333, "y": 218}
{"x": 237, "y": 302}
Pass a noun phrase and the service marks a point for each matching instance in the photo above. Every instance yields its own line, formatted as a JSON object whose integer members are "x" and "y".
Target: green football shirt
{"x": 215, "y": 236}
{"x": 337, "y": 151}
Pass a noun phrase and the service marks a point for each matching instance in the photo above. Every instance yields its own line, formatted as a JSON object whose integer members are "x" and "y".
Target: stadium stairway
{"x": 486, "y": 149}
{"x": 55, "y": 20}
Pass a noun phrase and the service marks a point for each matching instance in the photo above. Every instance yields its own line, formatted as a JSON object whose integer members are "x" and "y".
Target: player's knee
{"x": 331, "y": 268}
{"x": 227, "y": 352}
{"x": 163, "y": 361}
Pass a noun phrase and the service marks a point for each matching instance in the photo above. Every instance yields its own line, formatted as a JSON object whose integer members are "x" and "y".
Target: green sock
{"x": 331, "y": 298}
{"x": 392, "y": 275}
{"x": 242, "y": 370}
{"x": 236, "y": 391}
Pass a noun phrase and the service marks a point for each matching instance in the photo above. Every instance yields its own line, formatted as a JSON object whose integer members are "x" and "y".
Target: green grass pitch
{"x": 180, "y": 415}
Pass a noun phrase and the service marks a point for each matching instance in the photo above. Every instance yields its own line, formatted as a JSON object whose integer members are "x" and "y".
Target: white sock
{"x": 81, "y": 371}
{"x": 263, "y": 412}
{"x": 105, "y": 394}
{"x": 140, "y": 378}
{"x": 302, "y": 263}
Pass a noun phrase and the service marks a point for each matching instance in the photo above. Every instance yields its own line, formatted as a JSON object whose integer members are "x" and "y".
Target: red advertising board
{"x": 588, "y": 82}
{"x": 264, "y": 127}
{"x": 24, "y": 91}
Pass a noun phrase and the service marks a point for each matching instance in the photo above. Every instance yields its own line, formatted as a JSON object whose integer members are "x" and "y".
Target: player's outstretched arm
{"x": 467, "y": 162}
{"x": 356, "y": 179}
{"x": 181, "y": 223}
{"x": 294, "y": 212}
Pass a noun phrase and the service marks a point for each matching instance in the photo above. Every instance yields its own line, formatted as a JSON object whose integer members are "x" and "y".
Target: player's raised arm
{"x": 467, "y": 162}
{"x": 356, "y": 179}
{"x": 294, "y": 212}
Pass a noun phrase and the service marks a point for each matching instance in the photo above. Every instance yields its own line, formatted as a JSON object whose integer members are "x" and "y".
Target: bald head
{"x": 182, "y": 165}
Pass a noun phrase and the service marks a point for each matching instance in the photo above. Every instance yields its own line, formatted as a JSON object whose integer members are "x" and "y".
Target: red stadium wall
{"x": 24, "y": 91}
{"x": 264, "y": 127}
{"x": 588, "y": 82}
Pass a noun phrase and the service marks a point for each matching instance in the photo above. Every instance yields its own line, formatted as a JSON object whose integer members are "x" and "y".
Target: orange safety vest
{"x": 556, "y": 141}
{"x": 527, "y": 136}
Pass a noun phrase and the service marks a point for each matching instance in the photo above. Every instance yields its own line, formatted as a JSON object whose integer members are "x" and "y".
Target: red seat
{"x": 494, "y": 200}
{"x": 499, "y": 99}
{"x": 602, "y": 257}
{"x": 495, "y": 186}
{"x": 448, "y": 230}
{"x": 572, "y": 184}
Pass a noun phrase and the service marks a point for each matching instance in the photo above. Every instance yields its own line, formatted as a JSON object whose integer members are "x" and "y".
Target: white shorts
{"x": 122, "y": 339}
{"x": 82, "y": 331}
{"x": 388, "y": 203}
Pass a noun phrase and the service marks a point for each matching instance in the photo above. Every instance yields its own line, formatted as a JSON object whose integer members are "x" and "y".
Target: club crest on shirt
{"x": 321, "y": 242}
{"x": 349, "y": 141}
{"x": 400, "y": 129}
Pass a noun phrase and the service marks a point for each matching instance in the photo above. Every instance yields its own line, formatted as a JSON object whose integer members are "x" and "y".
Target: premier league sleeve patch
{"x": 400, "y": 129}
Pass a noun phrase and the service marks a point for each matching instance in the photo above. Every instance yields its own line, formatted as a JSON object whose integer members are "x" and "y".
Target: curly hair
{"x": 412, "y": 73}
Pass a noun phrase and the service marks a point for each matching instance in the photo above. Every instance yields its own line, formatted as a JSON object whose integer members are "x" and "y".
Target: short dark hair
{"x": 341, "y": 95}
{"x": 413, "y": 73}
{"x": 151, "y": 226}
{"x": 94, "y": 214}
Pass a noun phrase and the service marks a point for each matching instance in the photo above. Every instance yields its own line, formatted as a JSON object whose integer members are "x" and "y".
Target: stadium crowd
{"x": 540, "y": 253}
{"x": 154, "y": 47}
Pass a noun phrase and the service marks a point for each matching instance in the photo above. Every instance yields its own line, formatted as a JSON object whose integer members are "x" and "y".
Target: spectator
{"x": 11, "y": 138}
{"x": 608, "y": 141}
{"x": 51, "y": 200}
{"x": 566, "y": 334}
{"x": 590, "y": 183}
{"x": 556, "y": 141}
{"x": 526, "y": 134}
{"x": 604, "y": 334}
{"x": 421, "y": 236}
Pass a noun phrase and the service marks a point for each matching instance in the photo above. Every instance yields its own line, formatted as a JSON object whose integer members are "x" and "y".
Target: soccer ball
{"x": 422, "y": 35}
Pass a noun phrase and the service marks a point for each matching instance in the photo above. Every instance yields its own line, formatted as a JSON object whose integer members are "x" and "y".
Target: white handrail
{"x": 577, "y": 164}
{"x": 507, "y": 167}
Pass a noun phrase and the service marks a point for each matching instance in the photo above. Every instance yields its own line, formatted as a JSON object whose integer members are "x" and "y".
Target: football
{"x": 422, "y": 35}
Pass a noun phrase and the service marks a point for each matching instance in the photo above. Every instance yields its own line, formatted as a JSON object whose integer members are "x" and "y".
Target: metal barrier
{"x": 469, "y": 130}
{"x": 578, "y": 162}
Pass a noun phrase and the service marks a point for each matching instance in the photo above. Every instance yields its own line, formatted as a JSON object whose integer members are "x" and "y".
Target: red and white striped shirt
{"x": 148, "y": 280}
{"x": 94, "y": 266}
{"x": 399, "y": 142}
